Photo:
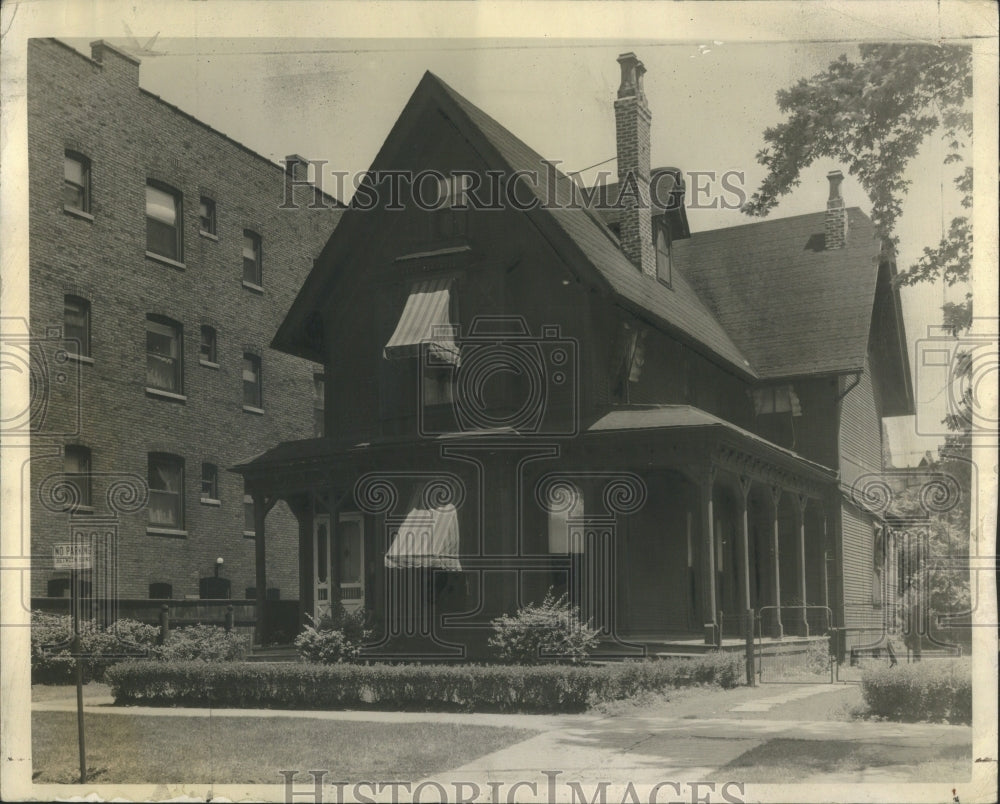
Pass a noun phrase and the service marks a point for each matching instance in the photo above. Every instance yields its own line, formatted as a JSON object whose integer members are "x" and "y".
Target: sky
{"x": 711, "y": 100}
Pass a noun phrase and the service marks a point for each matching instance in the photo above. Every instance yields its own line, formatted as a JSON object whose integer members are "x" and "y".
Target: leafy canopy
{"x": 872, "y": 115}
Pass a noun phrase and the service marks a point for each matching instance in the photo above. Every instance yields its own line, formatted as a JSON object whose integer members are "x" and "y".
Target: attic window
{"x": 449, "y": 217}
{"x": 663, "y": 262}
{"x": 776, "y": 399}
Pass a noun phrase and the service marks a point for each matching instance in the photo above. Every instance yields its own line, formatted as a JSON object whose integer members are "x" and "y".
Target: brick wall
{"x": 129, "y": 135}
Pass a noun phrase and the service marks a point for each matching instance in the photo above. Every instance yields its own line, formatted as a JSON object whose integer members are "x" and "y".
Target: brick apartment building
{"x": 161, "y": 266}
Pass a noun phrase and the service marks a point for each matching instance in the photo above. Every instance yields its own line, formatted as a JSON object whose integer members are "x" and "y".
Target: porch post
{"x": 260, "y": 618}
{"x": 745, "y": 539}
{"x": 708, "y": 557}
{"x": 775, "y": 499}
{"x": 801, "y": 510}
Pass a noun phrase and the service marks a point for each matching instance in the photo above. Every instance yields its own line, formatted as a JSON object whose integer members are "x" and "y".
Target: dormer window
{"x": 663, "y": 261}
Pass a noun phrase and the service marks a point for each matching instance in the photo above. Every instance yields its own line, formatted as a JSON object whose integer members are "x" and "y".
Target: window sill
{"x": 150, "y": 255}
{"x": 252, "y": 409}
{"x": 210, "y": 501}
{"x": 152, "y": 530}
{"x": 253, "y": 287}
{"x": 78, "y": 213}
{"x": 208, "y": 364}
{"x": 165, "y": 394}
{"x": 85, "y": 359}
{"x": 249, "y": 534}
{"x": 208, "y": 235}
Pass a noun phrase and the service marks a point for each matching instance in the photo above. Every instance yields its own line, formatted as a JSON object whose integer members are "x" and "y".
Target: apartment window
{"x": 319, "y": 404}
{"x": 76, "y": 464}
{"x": 163, "y": 221}
{"x": 252, "y": 396}
{"x": 207, "y": 350}
{"x": 206, "y": 215}
{"x": 209, "y": 482}
{"x": 166, "y": 491}
{"x": 249, "y": 528}
{"x": 252, "y": 266}
{"x": 76, "y": 323}
{"x": 76, "y": 182}
{"x": 164, "y": 355}
{"x": 160, "y": 591}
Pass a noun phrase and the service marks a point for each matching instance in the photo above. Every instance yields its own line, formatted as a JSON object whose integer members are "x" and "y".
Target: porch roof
{"x": 686, "y": 417}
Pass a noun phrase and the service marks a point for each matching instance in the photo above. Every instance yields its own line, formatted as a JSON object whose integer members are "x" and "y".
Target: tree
{"x": 873, "y": 114}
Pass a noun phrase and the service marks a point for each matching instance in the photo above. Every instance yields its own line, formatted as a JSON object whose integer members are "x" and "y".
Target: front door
{"x": 321, "y": 566}
{"x": 351, "y": 561}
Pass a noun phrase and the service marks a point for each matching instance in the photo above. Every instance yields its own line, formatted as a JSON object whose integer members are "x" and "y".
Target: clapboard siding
{"x": 858, "y": 566}
{"x": 860, "y": 429}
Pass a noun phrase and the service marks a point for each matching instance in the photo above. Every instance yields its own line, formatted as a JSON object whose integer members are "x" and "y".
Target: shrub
{"x": 935, "y": 690}
{"x": 481, "y": 688}
{"x": 51, "y": 635}
{"x": 551, "y": 630}
{"x": 817, "y": 658}
{"x": 334, "y": 638}
{"x": 207, "y": 643}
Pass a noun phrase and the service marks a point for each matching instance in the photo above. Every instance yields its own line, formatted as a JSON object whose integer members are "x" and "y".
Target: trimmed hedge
{"x": 480, "y": 688}
{"x": 935, "y": 690}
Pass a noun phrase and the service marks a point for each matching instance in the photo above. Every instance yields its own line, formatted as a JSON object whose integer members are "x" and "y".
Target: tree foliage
{"x": 873, "y": 114}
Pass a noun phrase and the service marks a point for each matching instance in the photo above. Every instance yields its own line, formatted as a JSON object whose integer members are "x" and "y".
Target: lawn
{"x": 246, "y": 750}
{"x": 784, "y": 761}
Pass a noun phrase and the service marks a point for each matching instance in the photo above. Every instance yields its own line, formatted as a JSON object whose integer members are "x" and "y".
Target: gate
{"x": 783, "y": 657}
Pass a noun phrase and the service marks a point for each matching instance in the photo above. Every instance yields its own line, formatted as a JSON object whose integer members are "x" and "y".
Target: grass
{"x": 245, "y": 750}
{"x": 784, "y": 761}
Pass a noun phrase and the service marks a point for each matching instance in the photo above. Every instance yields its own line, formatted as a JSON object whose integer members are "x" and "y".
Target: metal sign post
{"x": 76, "y": 557}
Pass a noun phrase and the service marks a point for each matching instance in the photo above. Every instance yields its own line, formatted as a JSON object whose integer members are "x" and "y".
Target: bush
{"x": 935, "y": 690}
{"x": 207, "y": 643}
{"x": 817, "y": 658}
{"x": 551, "y": 630}
{"x": 334, "y": 638}
{"x": 480, "y": 688}
{"x": 51, "y": 635}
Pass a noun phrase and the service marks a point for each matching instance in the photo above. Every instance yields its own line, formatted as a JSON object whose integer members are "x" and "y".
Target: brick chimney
{"x": 632, "y": 119}
{"x": 115, "y": 62}
{"x": 835, "y": 226}
{"x": 297, "y": 167}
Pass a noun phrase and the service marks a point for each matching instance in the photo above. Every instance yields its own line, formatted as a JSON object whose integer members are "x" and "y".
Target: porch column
{"x": 745, "y": 539}
{"x": 260, "y": 557}
{"x": 711, "y": 624}
{"x": 826, "y": 572}
{"x": 801, "y": 521}
{"x": 775, "y": 499}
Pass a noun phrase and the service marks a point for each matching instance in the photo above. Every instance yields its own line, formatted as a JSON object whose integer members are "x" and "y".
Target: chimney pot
{"x": 632, "y": 72}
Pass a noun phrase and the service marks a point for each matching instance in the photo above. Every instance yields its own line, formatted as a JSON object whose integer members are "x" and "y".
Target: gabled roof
{"x": 792, "y": 306}
{"x": 577, "y": 232}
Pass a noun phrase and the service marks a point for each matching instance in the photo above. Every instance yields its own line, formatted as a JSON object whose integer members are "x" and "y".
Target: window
{"x": 164, "y": 357}
{"x": 209, "y": 482}
{"x": 163, "y": 222}
{"x": 565, "y": 504}
{"x": 160, "y": 591}
{"x": 166, "y": 491}
{"x": 76, "y": 464}
{"x": 76, "y": 324}
{"x": 776, "y": 399}
{"x": 207, "y": 350}
{"x": 252, "y": 268}
{"x": 252, "y": 396}
{"x": 319, "y": 404}
{"x": 248, "y": 516}
{"x": 76, "y": 182}
{"x": 206, "y": 215}
{"x": 449, "y": 218}
{"x": 663, "y": 262}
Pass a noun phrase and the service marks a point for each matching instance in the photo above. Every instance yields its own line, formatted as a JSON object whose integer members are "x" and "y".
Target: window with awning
{"x": 426, "y": 319}
{"x": 427, "y": 538}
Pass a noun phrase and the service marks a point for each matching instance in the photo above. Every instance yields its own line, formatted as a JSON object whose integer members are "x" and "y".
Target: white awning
{"x": 426, "y": 319}
{"x": 427, "y": 538}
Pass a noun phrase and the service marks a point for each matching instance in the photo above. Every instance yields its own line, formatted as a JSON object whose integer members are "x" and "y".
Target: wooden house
{"x": 531, "y": 387}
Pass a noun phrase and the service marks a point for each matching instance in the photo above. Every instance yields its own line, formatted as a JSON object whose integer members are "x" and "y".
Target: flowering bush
{"x": 207, "y": 643}
{"x": 333, "y": 638}
{"x": 550, "y": 630}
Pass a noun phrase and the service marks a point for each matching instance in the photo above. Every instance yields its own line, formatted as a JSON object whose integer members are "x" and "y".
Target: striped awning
{"x": 427, "y": 538}
{"x": 426, "y": 319}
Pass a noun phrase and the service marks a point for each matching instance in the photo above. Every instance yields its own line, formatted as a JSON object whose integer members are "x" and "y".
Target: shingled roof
{"x": 792, "y": 306}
